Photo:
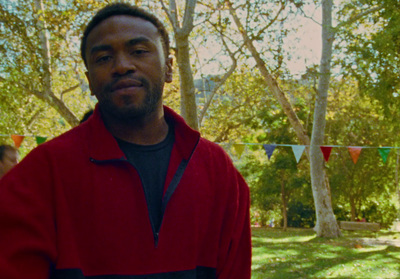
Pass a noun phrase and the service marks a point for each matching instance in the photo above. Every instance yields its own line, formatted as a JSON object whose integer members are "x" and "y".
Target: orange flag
{"x": 326, "y": 150}
{"x": 354, "y": 153}
{"x": 17, "y": 140}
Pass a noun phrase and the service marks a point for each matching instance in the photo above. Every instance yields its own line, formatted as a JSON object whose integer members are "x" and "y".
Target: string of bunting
{"x": 239, "y": 148}
{"x": 326, "y": 150}
{"x": 18, "y": 139}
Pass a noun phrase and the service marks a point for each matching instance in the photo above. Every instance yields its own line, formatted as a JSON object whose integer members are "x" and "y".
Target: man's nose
{"x": 123, "y": 64}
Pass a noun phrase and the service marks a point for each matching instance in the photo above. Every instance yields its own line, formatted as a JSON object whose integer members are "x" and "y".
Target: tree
{"x": 326, "y": 222}
{"x": 371, "y": 55}
{"x": 355, "y": 120}
{"x": 182, "y": 53}
{"x": 234, "y": 114}
{"x": 371, "y": 51}
{"x": 39, "y": 57}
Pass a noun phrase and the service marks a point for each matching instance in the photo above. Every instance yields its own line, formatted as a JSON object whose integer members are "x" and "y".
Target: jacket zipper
{"x": 175, "y": 181}
{"x": 156, "y": 239}
{"x": 155, "y": 233}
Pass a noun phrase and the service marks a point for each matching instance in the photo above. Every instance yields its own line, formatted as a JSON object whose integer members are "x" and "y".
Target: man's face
{"x": 10, "y": 159}
{"x": 127, "y": 67}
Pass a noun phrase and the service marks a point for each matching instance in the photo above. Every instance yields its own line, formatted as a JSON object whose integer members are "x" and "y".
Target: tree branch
{"x": 68, "y": 90}
{"x": 187, "y": 24}
{"x": 357, "y": 17}
{"x": 172, "y": 14}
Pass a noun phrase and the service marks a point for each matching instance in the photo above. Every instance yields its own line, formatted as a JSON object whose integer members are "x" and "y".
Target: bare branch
{"x": 187, "y": 24}
{"x": 272, "y": 21}
{"x": 358, "y": 16}
{"x": 309, "y": 17}
{"x": 68, "y": 90}
{"x": 171, "y": 14}
{"x": 51, "y": 99}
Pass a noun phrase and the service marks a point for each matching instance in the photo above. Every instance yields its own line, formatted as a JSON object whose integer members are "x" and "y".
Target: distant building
{"x": 205, "y": 86}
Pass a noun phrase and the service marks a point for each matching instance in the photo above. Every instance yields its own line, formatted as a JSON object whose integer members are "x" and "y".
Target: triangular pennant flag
{"x": 384, "y": 153}
{"x": 326, "y": 150}
{"x": 269, "y": 149}
{"x": 354, "y": 153}
{"x": 298, "y": 151}
{"x": 17, "y": 140}
{"x": 239, "y": 148}
{"x": 40, "y": 140}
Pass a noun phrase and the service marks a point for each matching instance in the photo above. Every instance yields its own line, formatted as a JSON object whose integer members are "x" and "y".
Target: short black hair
{"x": 121, "y": 8}
{"x": 4, "y": 148}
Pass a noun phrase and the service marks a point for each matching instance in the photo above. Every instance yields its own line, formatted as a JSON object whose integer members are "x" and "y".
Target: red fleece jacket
{"x": 75, "y": 208}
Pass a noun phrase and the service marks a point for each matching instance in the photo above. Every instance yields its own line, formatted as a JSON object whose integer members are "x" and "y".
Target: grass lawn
{"x": 298, "y": 253}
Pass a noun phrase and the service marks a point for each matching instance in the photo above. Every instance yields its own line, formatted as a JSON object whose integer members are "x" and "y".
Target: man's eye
{"x": 139, "y": 51}
{"x": 103, "y": 59}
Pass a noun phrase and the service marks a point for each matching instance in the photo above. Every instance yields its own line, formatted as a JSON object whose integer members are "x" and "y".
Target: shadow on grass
{"x": 300, "y": 254}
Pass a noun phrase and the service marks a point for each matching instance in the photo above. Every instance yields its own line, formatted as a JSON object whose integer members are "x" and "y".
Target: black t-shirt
{"x": 151, "y": 162}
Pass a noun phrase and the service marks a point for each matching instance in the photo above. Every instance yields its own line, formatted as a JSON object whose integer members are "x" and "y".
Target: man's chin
{"x": 125, "y": 113}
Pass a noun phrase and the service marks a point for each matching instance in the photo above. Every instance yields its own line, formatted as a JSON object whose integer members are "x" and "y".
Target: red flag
{"x": 326, "y": 150}
{"x": 354, "y": 153}
{"x": 17, "y": 140}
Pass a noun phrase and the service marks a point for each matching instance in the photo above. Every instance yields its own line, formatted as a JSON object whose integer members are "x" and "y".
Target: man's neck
{"x": 148, "y": 130}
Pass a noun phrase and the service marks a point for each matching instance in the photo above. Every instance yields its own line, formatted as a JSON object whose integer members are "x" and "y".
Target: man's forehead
{"x": 118, "y": 24}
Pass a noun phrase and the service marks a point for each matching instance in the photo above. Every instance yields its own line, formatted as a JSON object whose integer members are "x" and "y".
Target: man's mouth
{"x": 126, "y": 83}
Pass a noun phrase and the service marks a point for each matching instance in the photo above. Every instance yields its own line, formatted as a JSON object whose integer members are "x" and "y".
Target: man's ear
{"x": 168, "y": 71}
{"x": 88, "y": 79}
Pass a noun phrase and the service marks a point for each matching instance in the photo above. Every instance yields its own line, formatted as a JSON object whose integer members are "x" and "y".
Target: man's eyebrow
{"x": 131, "y": 42}
{"x": 138, "y": 40}
{"x": 100, "y": 48}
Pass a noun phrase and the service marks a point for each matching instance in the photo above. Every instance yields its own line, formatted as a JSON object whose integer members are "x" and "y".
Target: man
{"x": 132, "y": 192}
{"x": 8, "y": 158}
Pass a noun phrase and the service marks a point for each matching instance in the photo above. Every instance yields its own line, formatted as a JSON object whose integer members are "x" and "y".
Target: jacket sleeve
{"x": 27, "y": 227}
{"x": 234, "y": 259}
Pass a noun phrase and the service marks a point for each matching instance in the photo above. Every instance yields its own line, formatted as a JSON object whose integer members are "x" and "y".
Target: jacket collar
{"x": 103, "y": 146}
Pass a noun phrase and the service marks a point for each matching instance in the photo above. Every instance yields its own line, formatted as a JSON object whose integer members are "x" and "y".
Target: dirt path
{"x": 377, "y": 241}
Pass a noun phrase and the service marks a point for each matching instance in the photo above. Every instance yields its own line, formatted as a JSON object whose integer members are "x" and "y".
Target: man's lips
{"x": 126, "y": 83}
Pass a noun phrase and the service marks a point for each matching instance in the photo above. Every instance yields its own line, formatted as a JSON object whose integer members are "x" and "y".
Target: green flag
{"x": 384, "y": 153}
{"x": 40, "y": 140}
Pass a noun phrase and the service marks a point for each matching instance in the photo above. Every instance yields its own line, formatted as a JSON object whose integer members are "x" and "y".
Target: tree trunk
{"x": 397, "y": 179}
{"x": 181, "y": 34}
{"x": 353, "y": 209}
{"x": 284, "y": 205}
{"x": 47, "y": 94}
{"x": 188, "y": 97}
{"x": 326, "y": 222}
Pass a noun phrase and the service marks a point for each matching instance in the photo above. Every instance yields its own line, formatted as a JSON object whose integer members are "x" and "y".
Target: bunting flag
{"x": 239, "y": 148}
{"x": 354, "y": 153}
{"x": 17, "y": 140}
{"x": 40, "y": 140}
{"x": 298, "y": 151}
{"x": 269, "y": 149}
{"x": 384, "y": 153}
{"x": 326, "y": 151}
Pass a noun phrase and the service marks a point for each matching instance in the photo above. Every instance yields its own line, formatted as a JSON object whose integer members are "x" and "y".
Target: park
{"x": 304, "y": 97}
{"x": 297, "y": 253}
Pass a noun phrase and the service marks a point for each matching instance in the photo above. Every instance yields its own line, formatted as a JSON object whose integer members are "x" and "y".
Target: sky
{"x": 304, "y": 46}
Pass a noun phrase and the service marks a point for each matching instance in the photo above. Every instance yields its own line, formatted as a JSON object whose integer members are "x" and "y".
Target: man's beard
{"x": 133, "y": 111}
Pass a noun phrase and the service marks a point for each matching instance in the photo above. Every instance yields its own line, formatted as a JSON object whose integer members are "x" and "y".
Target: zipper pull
{"x": 156, "y": 239}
